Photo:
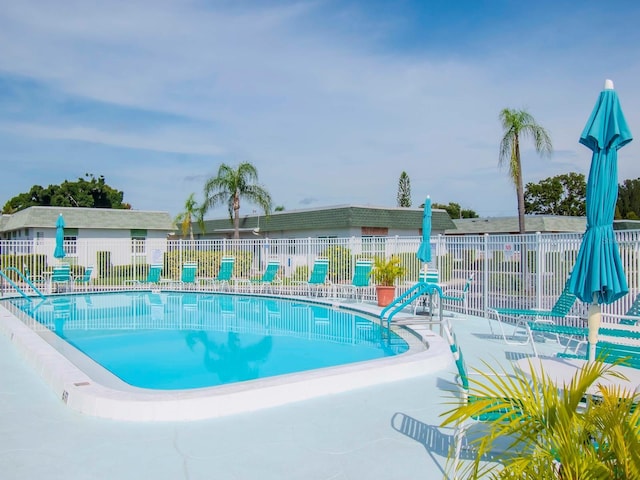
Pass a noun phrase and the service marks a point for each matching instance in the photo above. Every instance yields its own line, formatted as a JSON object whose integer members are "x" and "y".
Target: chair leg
{"x": 504, "y": 334}
{"x": 458, "y": 439}
{"x": 533, "y": 343}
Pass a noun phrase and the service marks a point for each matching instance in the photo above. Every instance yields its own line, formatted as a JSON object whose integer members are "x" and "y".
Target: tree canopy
{"x": 560, "y": 195}
{"x": 92, "y": 193}
{"x": 455, "y": 211}
{"x": 628, "y": 206}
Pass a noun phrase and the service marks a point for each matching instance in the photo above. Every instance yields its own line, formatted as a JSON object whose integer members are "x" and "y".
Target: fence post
{"x": 485, "y": 280}
{"x": 539, "y": 269}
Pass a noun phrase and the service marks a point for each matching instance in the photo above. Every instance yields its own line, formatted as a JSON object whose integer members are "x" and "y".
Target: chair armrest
{"x": 453, "y": 292}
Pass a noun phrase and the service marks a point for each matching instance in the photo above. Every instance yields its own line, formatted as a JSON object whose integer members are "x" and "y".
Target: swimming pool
{"x": 183, "y": 340}
{"x": 87, "y": 387}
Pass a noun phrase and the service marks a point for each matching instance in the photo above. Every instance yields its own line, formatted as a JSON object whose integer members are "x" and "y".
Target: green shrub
{"x": 340, "y": 266}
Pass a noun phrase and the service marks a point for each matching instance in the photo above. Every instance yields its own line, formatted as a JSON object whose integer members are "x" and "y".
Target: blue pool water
{"x": 179, "y": 340}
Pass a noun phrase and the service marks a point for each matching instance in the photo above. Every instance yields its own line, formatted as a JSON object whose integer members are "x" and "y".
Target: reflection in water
{"x": 207, "y": 312}
{"x": 177, "y": 340}
{"x": 230, "y": 360}
{"x": 62, "y": 310}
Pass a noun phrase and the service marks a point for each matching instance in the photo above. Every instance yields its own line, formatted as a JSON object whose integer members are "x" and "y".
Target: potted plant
{"x": 384, "y": 273}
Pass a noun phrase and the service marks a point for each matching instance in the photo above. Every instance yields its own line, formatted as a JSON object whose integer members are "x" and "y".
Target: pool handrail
{"x": 407, "y": 298}
{"x": 24, "y": 278}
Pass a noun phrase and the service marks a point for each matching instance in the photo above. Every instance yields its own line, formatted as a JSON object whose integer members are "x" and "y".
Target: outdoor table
{"x": 562, "y": 370}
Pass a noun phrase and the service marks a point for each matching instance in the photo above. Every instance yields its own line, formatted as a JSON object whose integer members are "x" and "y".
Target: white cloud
{"x": 324, "y": 115}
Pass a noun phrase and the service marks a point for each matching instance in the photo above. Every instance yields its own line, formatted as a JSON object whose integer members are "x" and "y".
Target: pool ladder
{"x": 411, "y": 295}
{"x": 24, "y": 278}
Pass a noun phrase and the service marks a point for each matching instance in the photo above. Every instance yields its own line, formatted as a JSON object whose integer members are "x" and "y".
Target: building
{"x": 126, "y": 234}
{"x": 509, "y": 225}
{"x": 35, "y": 223}
{"x": 331, "y": 222}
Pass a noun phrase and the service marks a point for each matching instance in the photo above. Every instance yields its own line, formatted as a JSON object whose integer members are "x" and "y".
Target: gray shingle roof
{"x": 338, "y": 217}
{"x": 626, "y": 225}
{"x": 78, "y": 217}
{"x": 533, "y": 223}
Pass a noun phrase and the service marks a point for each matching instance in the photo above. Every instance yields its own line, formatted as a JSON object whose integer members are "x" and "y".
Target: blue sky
{"x": 330, "y": 100}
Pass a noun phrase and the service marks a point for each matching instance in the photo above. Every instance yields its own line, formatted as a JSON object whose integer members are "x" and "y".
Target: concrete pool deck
{"x": 384, "y": 431}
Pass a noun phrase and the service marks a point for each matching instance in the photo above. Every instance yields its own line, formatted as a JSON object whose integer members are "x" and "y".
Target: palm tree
{"x": 230, "y": 185}
{"x": 517, "y": 124}
{"x": 192, "y": 212}
{"x": 575, "y": 434}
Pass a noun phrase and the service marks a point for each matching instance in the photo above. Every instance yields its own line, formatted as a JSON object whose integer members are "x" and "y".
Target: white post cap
{"x": 608, "y": 84}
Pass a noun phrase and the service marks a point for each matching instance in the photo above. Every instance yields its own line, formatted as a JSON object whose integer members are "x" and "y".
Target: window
{"x": 71, "y": 241}
{"x": 138, "y": 242}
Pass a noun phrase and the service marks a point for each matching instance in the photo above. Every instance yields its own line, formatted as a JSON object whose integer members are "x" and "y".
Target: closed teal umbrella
{"x": 598, "y": 276}
{"x": 424, "y": 251}
{"x": 59, "y": 251}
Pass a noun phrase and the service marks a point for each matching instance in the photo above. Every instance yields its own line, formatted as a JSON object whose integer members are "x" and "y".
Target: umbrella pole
{"x": 595, "y": 317}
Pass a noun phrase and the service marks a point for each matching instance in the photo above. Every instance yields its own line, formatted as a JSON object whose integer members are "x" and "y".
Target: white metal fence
{"x": 518, "y": 271}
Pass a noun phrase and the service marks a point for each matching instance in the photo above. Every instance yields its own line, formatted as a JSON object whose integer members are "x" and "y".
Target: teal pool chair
{"x": 61, "y": 279}
{"x": 85, "y": 280}
{"x": 153, "y": 277}
{"x": 490, "y": 408}
{"x": 456, "y": 295}
{"x": 632, "y": 315}
{"x": 561, "y": 309}
{"x": 268, "y": 279}
{"x": 424, "y": 301}
{"x": 361, "y": 279}
{"x": 613, "y": 336}
{"x": 188, "y": 274}
{"x": 225, "y": 273}
{"x": 318, "y": 277}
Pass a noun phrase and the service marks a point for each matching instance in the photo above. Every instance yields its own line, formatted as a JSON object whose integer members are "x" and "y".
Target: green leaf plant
{"x": 581, "y": 431}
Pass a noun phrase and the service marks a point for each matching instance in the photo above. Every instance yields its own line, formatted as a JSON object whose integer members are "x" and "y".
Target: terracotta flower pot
{"x": 385, "y": 295}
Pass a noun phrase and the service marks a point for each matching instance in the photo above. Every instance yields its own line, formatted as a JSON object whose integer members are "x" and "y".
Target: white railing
{"x": 518, "y": 271}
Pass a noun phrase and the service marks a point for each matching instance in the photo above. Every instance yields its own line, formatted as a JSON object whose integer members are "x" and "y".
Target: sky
{"x": 331, "y": 100}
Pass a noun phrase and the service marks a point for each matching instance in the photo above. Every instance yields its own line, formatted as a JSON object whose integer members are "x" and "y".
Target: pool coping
{"x": 86, "y": 395}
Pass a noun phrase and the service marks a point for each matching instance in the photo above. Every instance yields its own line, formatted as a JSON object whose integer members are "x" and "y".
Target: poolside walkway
{"x": 347, "y": 436}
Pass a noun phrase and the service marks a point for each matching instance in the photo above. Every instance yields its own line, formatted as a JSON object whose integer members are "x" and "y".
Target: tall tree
{"x": 232, "y": 184}
{"x": 404, "y": 190}
{"x": 518, "y": 124}
{"x": 560, "y": 195}
{"x": 192, "y": 212}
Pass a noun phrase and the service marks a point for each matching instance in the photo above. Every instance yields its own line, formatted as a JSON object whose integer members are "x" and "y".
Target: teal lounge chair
{"x": 188, "y": 273}
{"x": 560, "y": 310}
{"x": 611, "y": 336}
{"x": 268, "y": 279}
{"x": 431, "y": 301}
{"x": 153, "y": 277}
{"x": 499, "y": 408}
{"x": 225, "y": 273}
{"x": 361, "y": 279}
{"x": 457, "y": 295}
{"x": 318, "y": 277}
{"x": 632, "y": 315}
{"x": 85, "y": 279}
{"x": 61, "y": 278}
{"x": 430, "y": 276}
